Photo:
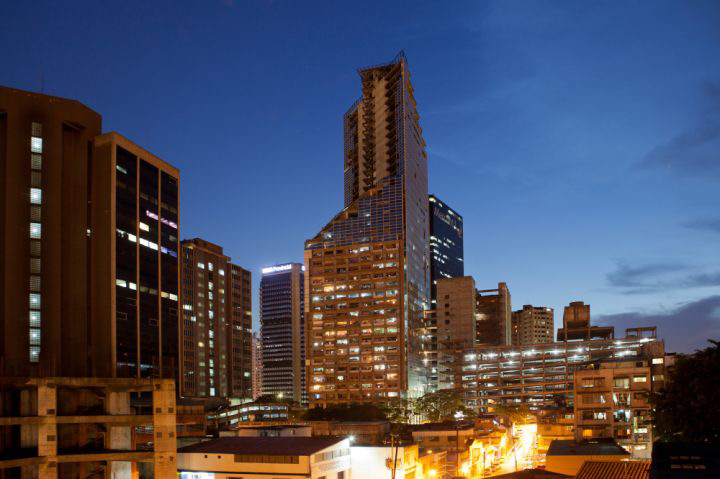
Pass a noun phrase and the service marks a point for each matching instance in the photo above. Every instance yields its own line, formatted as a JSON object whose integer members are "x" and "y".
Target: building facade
{"x": 494, "y": 309}
{"x": 282, "y": 329}
{"x": 256, "y": 366}
{"x": 97, "y": 272}
{"x": 540, "y": 375}
{"x": 456, "y": 318}
{"x": 368, "y": 269}
{"x": 612, "y": 401}
{"x": 216, "y": 323}
{"x": 533, "y": 325}
{"x": 446, "y": 244}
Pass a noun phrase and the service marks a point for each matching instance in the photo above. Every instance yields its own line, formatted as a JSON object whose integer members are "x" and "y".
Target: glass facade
{"x": 146, "y": 268}
{"x": 282, "y": 329}
{"x": 446, "y": 244}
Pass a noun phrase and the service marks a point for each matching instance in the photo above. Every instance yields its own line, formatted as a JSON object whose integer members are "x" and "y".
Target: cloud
{"x": 653, "y": 278}
{"x": 709, "y": 224}
{"x": 685, "y": 328}
{"x": 696, "y": 151}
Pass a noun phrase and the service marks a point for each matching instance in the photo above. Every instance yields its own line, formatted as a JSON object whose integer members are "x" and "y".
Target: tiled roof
{"x": 272, "y": 446}
{"x": 532, "y": 474}
{"x": 614, "y": 470}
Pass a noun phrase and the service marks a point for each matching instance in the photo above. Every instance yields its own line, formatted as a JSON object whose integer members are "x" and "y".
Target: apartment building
{"x": 533, "y": 325}
{"x": 216, "y": 323}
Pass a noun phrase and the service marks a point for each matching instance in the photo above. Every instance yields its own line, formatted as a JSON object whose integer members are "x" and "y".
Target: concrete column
{"x": 47, "y": 430}
{"x": 164, "y": 422}
{"x": 118, "y": 437}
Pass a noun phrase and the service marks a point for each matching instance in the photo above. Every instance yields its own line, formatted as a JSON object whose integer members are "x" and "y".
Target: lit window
{"x": 639, "y": 379}
{"x": 34, "y": 319}
{"x": 34, "y": 354}
{"x": 35, "y": 230}
{"x": 144, "y": 227}
{"x": 35, "y": 196}
{"x": 36, "y": 144}
{"x": 35, "y": 336}
{"x": 34, "y": 301}
{"x": 201, "y": 265}
{"x": 658, "y": 361}
{"x": 210, "y": 266}
{"x": 222, "y": 272}
{"x": 121, "y": 282}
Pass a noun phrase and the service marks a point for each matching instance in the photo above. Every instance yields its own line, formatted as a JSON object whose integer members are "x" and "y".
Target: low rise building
{"x": 283, "y": 430}
{"x": 567, "y": 457}
{"x": 612, "y": 400}
{"x": 443, "y": 435}
{"x": 614, "y": 470}
{"x": 266, "y": 457}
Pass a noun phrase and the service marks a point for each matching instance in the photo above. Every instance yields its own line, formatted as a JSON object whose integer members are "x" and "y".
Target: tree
{"x": 399, "y": 411}
{"x": 687, "y": 408}
{"x": 345, "y": 412}
{"x": 516, "y": 413}
{"x": 440, "y": 406}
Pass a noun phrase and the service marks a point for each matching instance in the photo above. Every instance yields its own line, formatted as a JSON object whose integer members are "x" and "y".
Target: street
{"x": 523, "y": 450}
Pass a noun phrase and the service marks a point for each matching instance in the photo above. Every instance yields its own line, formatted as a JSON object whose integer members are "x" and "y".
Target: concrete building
{"x": 446, "y": 244}
{"x": 257, "y": 373}
{"x": 577, "y": 326}
{"x": 362, "y": 432}
{"x": 567, "y": 457}
{"x": 541, "y": 375}
{"x": 533, "y": 325}
{"x": 612, "y": 401}
{"x": 494, "y": 327}
{"x": 216, "y": 323}
{"x": 368, "y": 269}
{"x": 282, "y": 329}
{"x": 90, "y": 262}
{"x": 82, "y": 427}
{"x": 263, "y": 457}
{"x": 455, "y": 322}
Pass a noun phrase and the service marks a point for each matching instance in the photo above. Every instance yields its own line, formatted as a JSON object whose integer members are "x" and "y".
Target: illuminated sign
{"x": 277, "y": 269}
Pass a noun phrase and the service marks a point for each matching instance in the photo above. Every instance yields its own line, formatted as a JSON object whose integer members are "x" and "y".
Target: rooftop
{"x": 614, "y": 470}
{"x": 271, "y": 446}
{"x": 532, "y": 474}
{"x": 596, "y": 447}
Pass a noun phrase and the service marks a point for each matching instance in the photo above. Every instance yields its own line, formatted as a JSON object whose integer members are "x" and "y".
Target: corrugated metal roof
{"x": 614, "y": 470}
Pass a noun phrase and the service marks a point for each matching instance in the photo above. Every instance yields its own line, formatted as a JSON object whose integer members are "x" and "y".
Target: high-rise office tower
{"x": 532, "y": 325}
{"x": 90, "y": 269}
{"x": 368, "y": 269}
{"x": 577, "y": 326}
{"x": 446, "y": 244}
{"x": 282, "y": 329}
{"x": 494, "y": 316}
{"x": 216, "y": 323}
{"x": 256, "y": 366}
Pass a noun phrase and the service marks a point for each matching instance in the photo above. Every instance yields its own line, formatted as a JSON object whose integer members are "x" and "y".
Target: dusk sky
{"x": 579, "y": 140}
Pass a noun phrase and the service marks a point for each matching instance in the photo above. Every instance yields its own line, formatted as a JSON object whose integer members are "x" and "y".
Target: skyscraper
{"x": 446, "y": 244}
{"x": 368, "y": 277}
{"x": 532, "y": 325}
{"x": 494, "y": 316}
{"x": 90, "y": 269}
{"x": 282, "y": 329}
{"x": 217, "y": 323}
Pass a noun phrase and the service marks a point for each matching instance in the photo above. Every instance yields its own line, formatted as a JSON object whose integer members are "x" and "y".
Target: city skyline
{"x": 641, "y": 248}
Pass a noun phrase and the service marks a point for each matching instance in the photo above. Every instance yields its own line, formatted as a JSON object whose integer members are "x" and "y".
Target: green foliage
{"x": 687, "y": 409}
{"x": 516, "y": 413}
{"x": 440, "y": 406}
{"x": 399, "y": 411}
{"x": 351, "y": 412}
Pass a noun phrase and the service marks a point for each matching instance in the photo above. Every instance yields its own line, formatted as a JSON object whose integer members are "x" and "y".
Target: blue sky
{"x": 579, "y": 140}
